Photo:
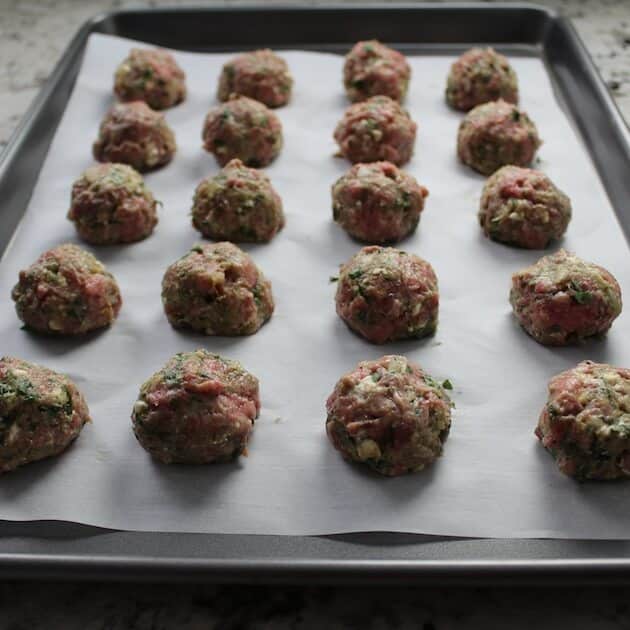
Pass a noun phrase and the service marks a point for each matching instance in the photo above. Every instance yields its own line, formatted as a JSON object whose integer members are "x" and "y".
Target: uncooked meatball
{"x": 41, "y": 413}
{"x": 374, "y": 130}
{"x": 371, "y": 68}
{"x": 562, "y": 299}
{"x": 585, "y": 424}
{"x": 261, "y": 75}
{"x": 238, "y": 204}
{"x": 217, "y": 289}
{"x": 495, "y": 134}
{"x": 132, "y": 133}
{"x": 390, "y": 415}
{"x": 111, "y": 204}
{"x": 377, "y": 202}
{"x": 522, "y": 207}
{"x": 479, "y": 76}
{"x": 384, "y": 294}
{"x": 67, "y": 291}
{"x": 198, "y": 409}
{"x": 245, "y": 129}
{"x": 152, "y": 76}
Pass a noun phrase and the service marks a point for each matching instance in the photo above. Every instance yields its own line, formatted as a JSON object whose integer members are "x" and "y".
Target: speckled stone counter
{"x": 33, "y": 34}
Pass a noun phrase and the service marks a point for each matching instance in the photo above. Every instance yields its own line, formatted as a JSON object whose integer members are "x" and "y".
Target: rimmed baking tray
{"x": 53, "y": 549}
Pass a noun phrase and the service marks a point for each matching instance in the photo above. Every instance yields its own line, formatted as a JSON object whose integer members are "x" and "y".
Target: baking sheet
{"x": 494, "y": 479}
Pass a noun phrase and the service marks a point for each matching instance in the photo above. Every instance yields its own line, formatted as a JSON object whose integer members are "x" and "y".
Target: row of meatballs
{"x": 200, "y": 408}
{"x": 373, "y": 202}
{"x": 383, "y": 294}
{"x": 375, "y": 128}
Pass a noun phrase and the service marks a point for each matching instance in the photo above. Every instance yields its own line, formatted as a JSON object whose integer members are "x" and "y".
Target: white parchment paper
{"x": 494, "y": 479}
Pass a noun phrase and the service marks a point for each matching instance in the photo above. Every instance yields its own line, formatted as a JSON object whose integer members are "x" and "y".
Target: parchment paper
{"x": 494, "y": 478}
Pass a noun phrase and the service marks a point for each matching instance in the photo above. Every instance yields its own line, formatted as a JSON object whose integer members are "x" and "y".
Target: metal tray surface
{"x": 63, "y": 550}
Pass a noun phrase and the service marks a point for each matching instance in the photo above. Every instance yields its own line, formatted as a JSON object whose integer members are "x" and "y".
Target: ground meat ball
{"x": 390, "y": 415}
{"x": 377, "y": 202}
{"x": 216, "y": 289}
{"x": 260, "y": 75}
{"x": 110, "y": 204}
{"x": 245, "y": 129}
{"x": 495, "y": 134}
{"x": 152, "y": 76}
{"x": 134, "y": 134}
{"x": 520, "y": 206}
{"x": 198, "y": 409}
{"x": 376, "y": 129}
{"x": 67, "y": 291}
{"x": 585, "y": 424}
{"x": 479, "y": 76}
{"x": 562, "y": 299}
{"x": 385, "y": 294}
{"x": 371, "y": 68}
{"x": 41, "y": 413}
{"x": 238, "y": 204}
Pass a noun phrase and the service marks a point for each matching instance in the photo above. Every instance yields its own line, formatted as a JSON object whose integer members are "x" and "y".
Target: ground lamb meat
{"x": 522, "y": 207}
{"x": 41, "y": 413}
{"x": 390, "y": 415}
{"x": 385, "y": 294}
{"x": 479, "y": 76}
{"x": 245, "y": 129}
{"x": 377, "y": 202}
{"x": 217, "y": 289}
{"x": 67, "y": 291}
{"x": 496, "y": 134}
{"x": 152, "y": 76}
{"x": 373, "y": 69}
{"x": 132, "y": 133}
{"x": 198, "y": 409}
{"x": 374, "y": 130}
{"x": 562, "y": 299}
{"x": 238, "y": 204}
{"x": 111, "y": 204}
{"x": 260, "y": 74}
{"x": 585, "y": 424}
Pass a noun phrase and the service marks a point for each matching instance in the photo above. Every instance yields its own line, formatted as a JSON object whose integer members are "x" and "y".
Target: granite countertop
{"x": 33, "y": 34}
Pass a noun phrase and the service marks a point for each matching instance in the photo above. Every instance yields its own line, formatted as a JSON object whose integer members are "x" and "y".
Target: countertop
{"x": 33, "y": 35}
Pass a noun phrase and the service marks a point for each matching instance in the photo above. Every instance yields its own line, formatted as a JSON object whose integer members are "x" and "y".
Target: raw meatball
{"x": 479, "y": 76}
{"x": 495, "y": 134}
{"x": 385, "y": 294}
{"x": 390, "y": 415}
{"x": 585, "y": 424}
{"x": 376, "y": 129}
{"x": 111, "y": 204}
{"x": 245, "y": 129}
{"x": 41, "y": 413}
{"x": 216, "y": 289}
{"x": 67, "y": 291}
{"x": 238, "y": 204}
{"x": 371, "y": 68}
{"x": 260, "y": 75}
{"x": 152, "y": 76}
{"x": 377, "y": 202}
{"x": 198, "y": 409}
{"x": 134, "y": 134}
{"x": 562, "y": 299}
{"x": 520, "y": 206}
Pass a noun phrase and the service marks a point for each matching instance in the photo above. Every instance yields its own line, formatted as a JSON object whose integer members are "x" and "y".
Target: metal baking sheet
{"x": 416, "y": 29}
